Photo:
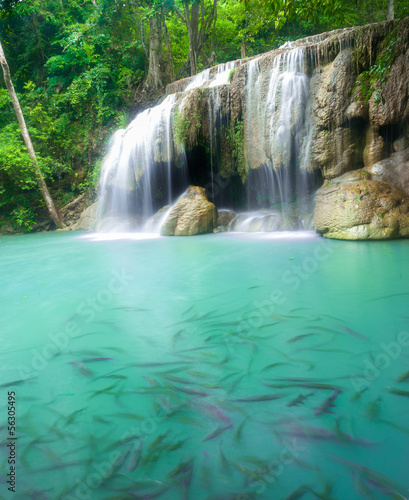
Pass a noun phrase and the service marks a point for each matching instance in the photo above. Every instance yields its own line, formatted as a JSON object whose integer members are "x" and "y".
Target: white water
{"x": 222, "y": 76}
{"x": 198, "y": 80}
{"x": 278, "y": 131}
{"x": 139, "y": 159}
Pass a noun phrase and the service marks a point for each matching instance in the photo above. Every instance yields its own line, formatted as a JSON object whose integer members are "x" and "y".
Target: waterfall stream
{"x": 146, "y": 170}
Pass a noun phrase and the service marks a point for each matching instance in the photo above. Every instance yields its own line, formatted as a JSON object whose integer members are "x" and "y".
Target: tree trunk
{"x": 192, "y": 23}
{"x": 391, "y": 11}
{"x": 243, "y": 48}
{"x": 155, "y": 79}
{"x": 26, "y": 136}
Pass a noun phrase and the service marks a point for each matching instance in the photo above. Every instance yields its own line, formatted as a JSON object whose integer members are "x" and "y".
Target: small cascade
{"x": 223, "y": 73}
{"x": 198, "y": 80}
{"x": 278, "y": 123}
{"x": 136, "y": 175}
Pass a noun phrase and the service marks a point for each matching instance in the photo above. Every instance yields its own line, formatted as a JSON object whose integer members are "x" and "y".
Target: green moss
{"x": 233, "y": 157}
{"x": 187, "y": 122}
{"x": 229, "y": 79}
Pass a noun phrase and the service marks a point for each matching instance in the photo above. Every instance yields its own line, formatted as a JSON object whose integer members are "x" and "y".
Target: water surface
{"x": 229, "y": 366}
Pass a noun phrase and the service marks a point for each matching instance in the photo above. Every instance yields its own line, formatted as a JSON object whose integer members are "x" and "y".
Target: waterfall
{"x": 145, "y": 170}
{"x": 136, "y": 174}
{"x": 278, "y": 133}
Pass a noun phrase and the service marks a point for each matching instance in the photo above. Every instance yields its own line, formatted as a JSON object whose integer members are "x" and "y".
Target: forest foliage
{"x": 83, "y": 68}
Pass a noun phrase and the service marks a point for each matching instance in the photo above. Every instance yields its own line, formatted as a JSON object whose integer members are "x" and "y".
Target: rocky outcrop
{"x": 393, "y": 170}
{"x": 352, "y": 207}
{"x": 87, "y": 219}
{"x": 192, "y": 214}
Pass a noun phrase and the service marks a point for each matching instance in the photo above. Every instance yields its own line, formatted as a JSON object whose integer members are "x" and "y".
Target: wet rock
{"x": 225, "y": 217}
{"x": 87, "y": 219}
{"x": 351, "y": 207}
{"x": 192, "y": 214}
{"x": 393, "y": 170}
{"x": 154, "y": 223}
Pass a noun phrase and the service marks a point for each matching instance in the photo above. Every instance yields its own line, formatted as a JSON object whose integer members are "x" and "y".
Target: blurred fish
{"x": 239, "y": 431}
{"x": 274, "y": 365}
{"x": 182, "y": 467}
{"x": 225, "y": 462}
{"x": 300, "y": 337}
{"x": 255, "y": 399}
{"x": 82, "y": 368}
{"x": 194, "y": 392}
{"x": 373, "y": 409}
{"x": 403, "y": 377}
{"x": 158, "y": 440}
{"x": 99, "y": 358}
{"x": 217, "y": 432}
{"x": 215, "y": 412}
{"x": 105, "y": 390}
{"x": 299, "y": 400}
{"x": 328, "y": 404}
{"x": 135, "y": 457}
{"x": 72, "y": 416}
{"x": 376, "y": 478}
{"x": 399, "y": 392}
{"x": 353, "y": 333}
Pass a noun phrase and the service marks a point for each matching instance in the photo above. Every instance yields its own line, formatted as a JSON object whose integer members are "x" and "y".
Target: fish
{"x": 82, "y": 368}
{"x": 135, "y": 457}
{"x": 274, "y": 365}
{"x": 300, "y": 337}
{"x": 13, "y": 383}
{"x": 373, "y": 409}
{"x": 106, "y": 390}
{"x": 158, "y": 440}
{"x": 353, "y": 333}
{"x": 225, "y": 462}
{"x": 216, "y": 412}
{"x": 178, "y": 380}
{"x": 177, "y": 445}
{"x": 403, "y": 377}
{"x": 238, "y": 433}
{"x": 328, "y": 404}
{"x": 399, "y": 392}
{"x": 71, "y": 417}
{"x": 255, "y": 399}
{"x": 301, "y": 383}
{"x": 182, "y": 467}
{"x": 189, "y": 390}
{"x": 299, "y": 399}
{"x": 376, "y": 478}
{"x": 217, "y": 432}
{"x": 99, "y": 358}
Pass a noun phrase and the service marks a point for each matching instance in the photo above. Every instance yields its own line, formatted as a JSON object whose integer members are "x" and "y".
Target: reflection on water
{"x": 224, "y": 366}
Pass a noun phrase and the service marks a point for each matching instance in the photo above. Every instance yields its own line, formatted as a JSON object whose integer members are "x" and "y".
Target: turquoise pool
{"x": 219, "y": 367}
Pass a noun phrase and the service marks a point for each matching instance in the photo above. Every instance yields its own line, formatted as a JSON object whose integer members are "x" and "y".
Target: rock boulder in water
{"x": 192, "y": 214}
{"x": 351, "y": 207}
{"x": 225, "y": 217}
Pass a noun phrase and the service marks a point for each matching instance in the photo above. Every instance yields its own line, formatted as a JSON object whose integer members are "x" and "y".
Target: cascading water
{"x": 140, "y": 174}
{"x": 280, "y": 124}
{"x": 136, "y": 175}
